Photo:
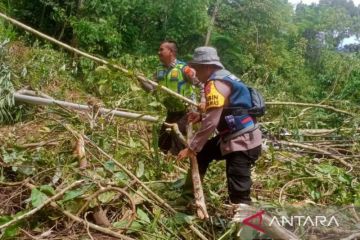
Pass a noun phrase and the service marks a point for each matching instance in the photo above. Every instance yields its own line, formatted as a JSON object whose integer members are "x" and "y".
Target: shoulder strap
{"x": 220, "y": 74}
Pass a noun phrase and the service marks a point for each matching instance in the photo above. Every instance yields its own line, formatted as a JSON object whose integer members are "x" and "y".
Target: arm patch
{"x": 214, "y": 98}
{"x": 189, "y": 72}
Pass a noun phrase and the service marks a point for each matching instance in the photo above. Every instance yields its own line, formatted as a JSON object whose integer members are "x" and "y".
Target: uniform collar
{"x": 172, "y": 64}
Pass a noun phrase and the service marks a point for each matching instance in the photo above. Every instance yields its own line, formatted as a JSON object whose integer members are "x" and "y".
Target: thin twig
{"x": 40, "y": 144}
{"x": 317, "y": 150}
{"x": 289, "y": 183}
{"x": 15, "y": 183}
{"x": 29, "y": 235}
{"x": 352, "y": 236}
{"x": 87, "y": 226}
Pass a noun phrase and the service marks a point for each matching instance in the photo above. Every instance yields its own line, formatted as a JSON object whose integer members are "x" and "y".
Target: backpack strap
{"x": 249, "y": 129}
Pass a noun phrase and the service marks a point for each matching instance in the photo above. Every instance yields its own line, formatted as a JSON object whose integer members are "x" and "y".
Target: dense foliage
{"x": 266, "y": 42}
{"x": 290, "y": 54}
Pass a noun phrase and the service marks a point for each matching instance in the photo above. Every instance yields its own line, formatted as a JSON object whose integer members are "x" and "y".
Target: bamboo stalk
{"x": 33, "y": 93}
{"x": 196, "y": 180}
{"x": 195, "y": 176}
{"x": 97, "y": 59}
{"x": 45, "y": 101}
{"x": 311, "y": 105}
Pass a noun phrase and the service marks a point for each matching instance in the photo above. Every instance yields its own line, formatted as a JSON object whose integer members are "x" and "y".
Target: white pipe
{"x": 45, "y": 101}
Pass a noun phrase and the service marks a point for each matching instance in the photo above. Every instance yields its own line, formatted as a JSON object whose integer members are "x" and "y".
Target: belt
{"x": 240, "y": 132}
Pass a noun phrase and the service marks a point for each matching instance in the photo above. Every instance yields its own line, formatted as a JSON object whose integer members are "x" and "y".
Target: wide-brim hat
{"x": 206, "y": 56}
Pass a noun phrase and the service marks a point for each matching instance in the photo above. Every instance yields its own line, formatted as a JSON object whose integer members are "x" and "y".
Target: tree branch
{"x": 311, "y": 105}
{"x": 317, "y": 150}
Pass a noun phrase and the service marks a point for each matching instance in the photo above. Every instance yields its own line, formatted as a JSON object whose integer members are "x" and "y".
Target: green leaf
{"x": 120, "y": 176}
{"x": 357, "y": 197}
{"x": 120, "y": 224}
{"x": 106, "y": 196}
{"x": 110, "y": 166}
{"x": 74, "y": 193}
{"x": 142, "y": 216}
{"x": 326, "y": 169}
{"x": 134, "y": 88}
{"x": 27, "y": 170}
{"x": 12, "y": 230}
{"x": 154, "y": 104}
{"x": 181, "y": 218}
{"x": 344, "y": 178}
{"x": 189, "y": 219}
{"x": 103, "y": 82}
{"x": 135, "y": 225}
{"x": 140, "y": 170}
{"x": 47, "y": 189}
{"x": 37, "y": 197}
{"x": 5, "y": 219}
{"x": 132, "y": 143}
{"x": 315, "y": 194}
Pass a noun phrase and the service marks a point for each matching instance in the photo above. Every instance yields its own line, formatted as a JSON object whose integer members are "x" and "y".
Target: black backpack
{"x": 258, "y": 105}
{"x": 257, "y": 100}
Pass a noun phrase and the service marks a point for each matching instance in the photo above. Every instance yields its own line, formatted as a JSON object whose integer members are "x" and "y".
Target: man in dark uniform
{"x": 238, "y": 140}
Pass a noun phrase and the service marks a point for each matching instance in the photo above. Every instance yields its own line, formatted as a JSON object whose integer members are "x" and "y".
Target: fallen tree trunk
{"x": 45, "y": 101}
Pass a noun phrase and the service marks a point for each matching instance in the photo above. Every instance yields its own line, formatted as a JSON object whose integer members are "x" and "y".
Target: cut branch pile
{"x": 112, "y": 209}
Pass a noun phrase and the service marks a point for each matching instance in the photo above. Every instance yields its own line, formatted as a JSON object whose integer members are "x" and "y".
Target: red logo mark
{"x": 207, "y": 88}
{"x": 257, "y": 227}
